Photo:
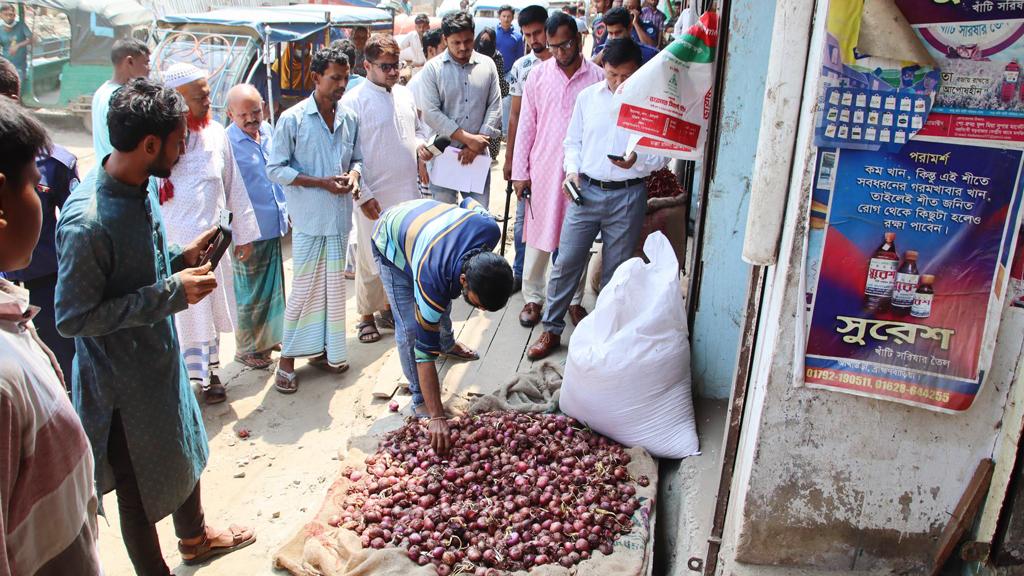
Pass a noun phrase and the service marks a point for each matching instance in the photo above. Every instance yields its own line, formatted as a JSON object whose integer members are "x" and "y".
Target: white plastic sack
{"x": 628, "y": 372}
{"x": 667, "y": 102}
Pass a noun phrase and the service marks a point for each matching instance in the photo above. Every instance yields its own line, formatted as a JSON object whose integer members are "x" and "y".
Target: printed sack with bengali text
{"x": 666, "y": 104}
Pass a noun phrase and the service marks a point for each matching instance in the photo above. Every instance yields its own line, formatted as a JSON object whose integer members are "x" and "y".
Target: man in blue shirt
{"x": 259, "y": 281}
{"x": 315, "y": 157}
{"x": 618, "y": 22}
{"x": 509, "y": 42}
{"x": 59, "y": 174}
{"x": 15, "y": 38}
{"x": 508, "y": 39}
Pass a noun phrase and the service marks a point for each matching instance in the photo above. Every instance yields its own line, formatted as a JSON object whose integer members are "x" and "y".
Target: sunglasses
{"x": 567, "y": 45}
{"x": 387, "y": 68}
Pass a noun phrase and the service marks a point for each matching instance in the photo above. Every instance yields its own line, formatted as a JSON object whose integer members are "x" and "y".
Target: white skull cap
{"x": 182, "y": 73}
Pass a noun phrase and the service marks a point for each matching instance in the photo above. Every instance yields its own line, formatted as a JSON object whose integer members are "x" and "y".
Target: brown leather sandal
{"x": 192, "y": 554}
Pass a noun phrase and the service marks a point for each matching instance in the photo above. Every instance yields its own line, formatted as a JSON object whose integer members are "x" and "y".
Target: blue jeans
{"x": 398, "y": 285}
{"x": 506, "y": 108}
{"x": 451, "y": 196}
{"x": 517, "y": 237}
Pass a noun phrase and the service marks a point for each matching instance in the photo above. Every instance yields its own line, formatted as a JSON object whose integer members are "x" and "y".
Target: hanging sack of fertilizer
{"x": 667, "y": 102}
{"x": 628, "y": 372}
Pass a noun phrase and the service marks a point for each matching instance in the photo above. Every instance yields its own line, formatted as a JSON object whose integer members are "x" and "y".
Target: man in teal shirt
{"x": 131, "y": 60}
{"x": 118, "y": 288}
{"x": 15, "y": 39}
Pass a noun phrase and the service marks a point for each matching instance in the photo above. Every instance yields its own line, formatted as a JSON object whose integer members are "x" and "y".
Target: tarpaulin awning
{"x": 116, "y": 12}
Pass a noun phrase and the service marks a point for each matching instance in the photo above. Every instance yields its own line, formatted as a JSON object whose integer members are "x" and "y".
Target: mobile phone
{"x": 574, "y": 192}
{"x": 617, "y": 157}
{"x": 219, "y": 243}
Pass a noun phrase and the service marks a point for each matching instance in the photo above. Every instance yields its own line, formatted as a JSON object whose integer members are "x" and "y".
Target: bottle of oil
{"x": 881, "y": 275}
{"x": 922, "y": 307}
{"x": 906, "y": 283}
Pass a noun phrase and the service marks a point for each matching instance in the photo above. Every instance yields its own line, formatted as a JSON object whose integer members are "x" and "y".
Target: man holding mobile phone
{"x": 613, "y": 194}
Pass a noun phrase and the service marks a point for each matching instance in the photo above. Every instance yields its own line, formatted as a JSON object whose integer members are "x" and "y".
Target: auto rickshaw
{"x": 69, "y": 56}
{"x": 239, "y": 45}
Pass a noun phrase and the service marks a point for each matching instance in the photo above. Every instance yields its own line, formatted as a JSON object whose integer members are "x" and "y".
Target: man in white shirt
{"x": 131, "y": 60}
{"x": 411, "y": 44}
{"x": 386, "y": 115}
{"x": 612, "y": 188}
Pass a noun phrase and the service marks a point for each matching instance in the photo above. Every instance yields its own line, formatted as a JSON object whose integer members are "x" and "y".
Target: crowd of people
{"x": 121, "y": 304}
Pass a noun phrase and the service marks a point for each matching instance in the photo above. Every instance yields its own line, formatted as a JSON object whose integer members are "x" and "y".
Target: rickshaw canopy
{"x": 284, "y": 23}
{"x": 95, "y": 24}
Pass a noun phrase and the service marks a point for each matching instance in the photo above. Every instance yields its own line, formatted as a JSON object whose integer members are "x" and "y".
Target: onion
{"x": 518, "y": 491}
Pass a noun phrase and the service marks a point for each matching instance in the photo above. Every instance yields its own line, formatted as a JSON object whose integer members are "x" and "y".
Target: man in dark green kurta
{"x": 118, "y": 287}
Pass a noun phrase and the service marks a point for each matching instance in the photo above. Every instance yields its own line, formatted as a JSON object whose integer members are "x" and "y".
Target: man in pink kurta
{"x": 548, "y": 99}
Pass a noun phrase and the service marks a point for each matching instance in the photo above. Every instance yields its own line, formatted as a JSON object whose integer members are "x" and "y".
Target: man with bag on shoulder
{"x": 613, "y": 197}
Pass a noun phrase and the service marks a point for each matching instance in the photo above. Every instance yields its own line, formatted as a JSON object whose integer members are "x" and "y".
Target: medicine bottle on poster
{"x": 1011, "y": 75}
{"x": 881, "y": 274}
{"x": 922, "y": 307}
{"x": 905, "y": 289}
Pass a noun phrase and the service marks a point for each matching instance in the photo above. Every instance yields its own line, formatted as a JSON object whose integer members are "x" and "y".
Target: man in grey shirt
{"x": 461, "y": 99}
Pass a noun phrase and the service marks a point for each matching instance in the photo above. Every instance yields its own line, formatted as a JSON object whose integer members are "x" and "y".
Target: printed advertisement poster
{"x": 902, "y": 267}
{"x": 979, "y": 45}
{"x": 870, "y": 102}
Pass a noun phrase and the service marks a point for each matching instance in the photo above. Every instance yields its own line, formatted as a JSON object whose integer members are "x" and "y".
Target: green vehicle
{"x": 70, "y": 52}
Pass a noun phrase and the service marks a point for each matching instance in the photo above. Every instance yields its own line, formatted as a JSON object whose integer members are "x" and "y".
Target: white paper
{"x": 446, "y": 171}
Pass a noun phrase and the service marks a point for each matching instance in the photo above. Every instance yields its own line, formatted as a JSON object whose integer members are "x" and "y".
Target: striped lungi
{"x": 314, "y": 320}
{"x": 259, "y": 295}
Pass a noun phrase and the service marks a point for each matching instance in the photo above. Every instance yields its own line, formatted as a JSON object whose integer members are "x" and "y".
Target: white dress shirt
{"x": 592, "y": 136}
{"x": 411, "y": 46}
{"x": 388, "y": 138}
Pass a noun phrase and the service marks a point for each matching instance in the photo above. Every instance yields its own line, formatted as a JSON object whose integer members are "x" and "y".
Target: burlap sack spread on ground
{"x": 321, "y": 550}
{"x": 533, "y": 392}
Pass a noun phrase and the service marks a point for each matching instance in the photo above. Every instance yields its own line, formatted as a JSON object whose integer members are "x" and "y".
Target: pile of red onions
{"x": 516, "y": 491}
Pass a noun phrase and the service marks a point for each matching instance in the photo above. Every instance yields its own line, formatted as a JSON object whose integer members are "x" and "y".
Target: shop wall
{"x": 838, "y": 481}
{"x": 722, "y": 290}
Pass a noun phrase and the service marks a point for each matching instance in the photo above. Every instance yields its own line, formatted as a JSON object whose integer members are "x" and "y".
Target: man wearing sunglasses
{"x": 547, "y": 103}
{"x": 387, "y": 119}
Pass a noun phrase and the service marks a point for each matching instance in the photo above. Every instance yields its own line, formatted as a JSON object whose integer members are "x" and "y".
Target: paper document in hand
{"x": 446, "y": 171}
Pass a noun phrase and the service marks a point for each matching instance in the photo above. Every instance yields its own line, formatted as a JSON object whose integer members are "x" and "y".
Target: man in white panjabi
{"x": 387, "y": 118}
{"x": 205, "y": 182}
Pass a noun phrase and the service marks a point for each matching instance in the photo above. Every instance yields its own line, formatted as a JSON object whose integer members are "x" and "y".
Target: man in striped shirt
{"x": 428, "y": 253}
{"x": 47, "y": 496}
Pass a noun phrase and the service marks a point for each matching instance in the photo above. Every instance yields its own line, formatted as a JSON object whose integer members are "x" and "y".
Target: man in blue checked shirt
{"x": 316, "y": 158}
{"x": 259, "y": 281}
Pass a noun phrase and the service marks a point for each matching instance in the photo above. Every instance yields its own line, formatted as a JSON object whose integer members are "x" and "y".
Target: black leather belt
{"x": 611, "y": 185}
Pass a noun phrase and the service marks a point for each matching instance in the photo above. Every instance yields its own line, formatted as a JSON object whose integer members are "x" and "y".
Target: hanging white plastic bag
{"x": 668, "y": 100}
{"x": 628, "y": 372}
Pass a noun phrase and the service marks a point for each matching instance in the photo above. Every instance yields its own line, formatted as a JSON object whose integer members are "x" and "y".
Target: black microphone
{"x": 437, "y": 145}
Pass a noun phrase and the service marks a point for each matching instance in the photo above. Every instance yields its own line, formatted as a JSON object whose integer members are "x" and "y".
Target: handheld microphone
{"x": 437, "y": 145}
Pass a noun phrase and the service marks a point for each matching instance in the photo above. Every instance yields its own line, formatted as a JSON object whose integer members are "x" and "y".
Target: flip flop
{"x": 205, "y": 551}
{"x": 385, "y": 320}
{"x": 257, "y": 361}
{"x": 322, "y": 363}
{"x": 288, "y": 378}
{"x": 215, "y": 393}
{"x": 368, "y": 333}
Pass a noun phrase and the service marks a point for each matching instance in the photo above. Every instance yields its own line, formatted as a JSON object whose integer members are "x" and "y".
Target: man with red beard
{"x": 205, "y": 182}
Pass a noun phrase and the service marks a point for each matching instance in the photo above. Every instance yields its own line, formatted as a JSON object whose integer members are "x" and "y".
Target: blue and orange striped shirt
{"x": 427, "y": 240}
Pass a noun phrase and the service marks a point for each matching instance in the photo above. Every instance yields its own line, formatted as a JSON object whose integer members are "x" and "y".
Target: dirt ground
{"x": 276, "y": 479}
